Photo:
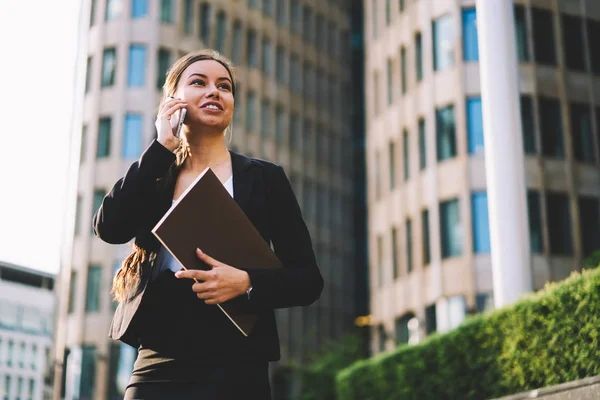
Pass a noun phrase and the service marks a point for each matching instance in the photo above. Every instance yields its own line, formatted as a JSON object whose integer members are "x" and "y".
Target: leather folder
{"x": 207, "y": 217}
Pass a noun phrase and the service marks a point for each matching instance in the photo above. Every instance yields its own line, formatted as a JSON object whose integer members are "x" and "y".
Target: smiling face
{"x": 207, "y": 87}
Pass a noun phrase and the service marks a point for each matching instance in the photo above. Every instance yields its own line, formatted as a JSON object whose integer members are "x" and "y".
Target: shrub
{"x": 544, "y": 339}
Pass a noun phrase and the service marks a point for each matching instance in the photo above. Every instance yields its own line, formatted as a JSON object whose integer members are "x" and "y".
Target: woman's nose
{"x": 213, "y": 92}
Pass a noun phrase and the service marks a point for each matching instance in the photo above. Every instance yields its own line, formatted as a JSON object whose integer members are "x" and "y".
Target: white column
{"x": 505, "y": 172}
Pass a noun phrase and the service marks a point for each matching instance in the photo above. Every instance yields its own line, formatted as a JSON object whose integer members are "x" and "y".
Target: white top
{"x": 165, "y": 259}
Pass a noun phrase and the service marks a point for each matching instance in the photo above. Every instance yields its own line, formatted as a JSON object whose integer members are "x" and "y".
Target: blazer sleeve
{"x": 299, "y": 282}
{"x": 119, "y": 217}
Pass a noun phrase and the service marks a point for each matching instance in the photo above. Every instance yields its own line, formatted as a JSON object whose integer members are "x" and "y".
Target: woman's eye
{"x": 224, "y": 86}
{"x": 197, "y": 82}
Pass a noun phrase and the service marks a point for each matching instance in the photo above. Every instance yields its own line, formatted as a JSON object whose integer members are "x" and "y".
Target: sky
{"x": 38, "y": 41}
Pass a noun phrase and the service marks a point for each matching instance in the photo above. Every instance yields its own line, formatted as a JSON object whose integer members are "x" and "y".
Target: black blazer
{"x": 140, "y": 199}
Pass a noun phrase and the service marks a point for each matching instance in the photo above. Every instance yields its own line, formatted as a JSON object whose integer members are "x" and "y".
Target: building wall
{"x": 461, "y": 282}
{"x": 315, "y": 150}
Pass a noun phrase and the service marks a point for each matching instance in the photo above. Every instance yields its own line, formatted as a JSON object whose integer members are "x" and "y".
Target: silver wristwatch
{"x": 248, "y": 292}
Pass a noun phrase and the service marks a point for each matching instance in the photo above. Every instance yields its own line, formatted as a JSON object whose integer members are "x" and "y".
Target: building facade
{"x": 293, "y": 107}
{"x": 26, "y": 328}
{"x": 428, "y": 216}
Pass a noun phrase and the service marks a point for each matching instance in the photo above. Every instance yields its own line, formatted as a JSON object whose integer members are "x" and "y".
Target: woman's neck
{"x": 206, "y": 151}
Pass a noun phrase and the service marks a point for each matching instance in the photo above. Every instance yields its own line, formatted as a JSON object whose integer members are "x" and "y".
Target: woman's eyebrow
{"x": 205, "y": 77}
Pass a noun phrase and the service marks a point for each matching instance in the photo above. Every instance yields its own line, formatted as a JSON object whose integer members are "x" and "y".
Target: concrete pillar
{"x": 505, "y": 172}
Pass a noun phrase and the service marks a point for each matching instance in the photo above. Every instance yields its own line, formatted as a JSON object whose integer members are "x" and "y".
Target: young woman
{"x": 187, "y": 348}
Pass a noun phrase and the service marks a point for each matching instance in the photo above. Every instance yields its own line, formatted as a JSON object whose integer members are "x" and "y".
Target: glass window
{"x": 388, "y": 12}
{"x": 34, "y": 356}
{"x": 450, "y": 228}
{"x": 221, "y": 32}
{"x": 136, "y": 72}
{"x": 390, "y": 83}
{"x": 581, "y": 132}
{"x": 139, "y": 8}
{"x": 470, "y": 43}
{"x": 572, "y": 30}
{"x": 88, "y": 372}
{"x": 280, "y": 125}
{"x": 93, "y": 6}
{"x": 265, "y": 119}
{"x": 267, "y": 7}
{"x": 376, "y": 93}
{"x": 543, "y": 36}
{"x": 521, "y": 34}
{"x": 481, "y": 225}
{"x": 307, "y": 24}
{"x": 551, "y": 128}
{"x": 251, "y": 56}
{"x": 250, "y": 111}
{"x": 92, "y": 299}
{"x": 559, "y": 223}
{"x": 22, "y": 355}
{"x": 446, "y": 133}
{"x": 392, "y": 156}
{"x": 281, "y": 13}
{"x": 402, "y": 331}
{"x": 395, "y": 266}
{"x": 430, "y": 319}
{"x": 253, "y": 3}
{"x": 188, "y": 15}
{"x": 419, "y": 56}
{"x": 31, "y": 388}
{"x": 78, "y": 215}
{"x": 295, "y": 74}
{"x": 425, "y": 237}
{"x": 267, "y": 56}
{"x": 309, "y": 147}
{"x": 295, "y": 19}
{"x": 236, "y": 47}
{"x": 374, "y": 17}
{"x": 380, "y": 260}
{"x": 422, "y": 145}
{"x": 280, "y": 65}
{"x": 19, "y": 388}
{"x": 409, "y": 246}
{"x": 10, "y": 353}
{"x": 205, "y": 15}
{"x": 406, "y": 155}
{"x": 166, "y": 11}
{"x": 401, "y": 5}
{"x": 83, "y": 147}
{"x": 88, "y": 75}
{"x": 589, "y": 224}
{"x": 295, "y": 129}
{"x": 443, "y": 43}
{"x": 132, "y": 137}
{"x": 475, "y": 125}
{"x": 109, "y": 64}
{"x": 164, "y": 62}
{"x": 593, "y": 30}
{"x": 534, "y": 212}
{"x": 527, "y": 125}
{"x": 113, "y": 9}
{"x": 104, "y": 133}
{"x": 72, "y": 292}
{"x": 403, "y": 85}
{"x": 122, "y": 358}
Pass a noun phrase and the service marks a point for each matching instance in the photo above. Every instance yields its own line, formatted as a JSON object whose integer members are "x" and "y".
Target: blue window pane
{"x": 481, "y": 225}
{"x": 139, "y": 8}
{"x": 136, "y": 75}
{"x": 132, "y": 137}
{"x": 470, "y": 46}
{"x": 475, "y": 125}
{"x": 450, "y": 229}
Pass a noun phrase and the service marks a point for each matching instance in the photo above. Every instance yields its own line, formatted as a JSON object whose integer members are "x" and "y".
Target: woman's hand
{"x": 222, "y": 283}
{"x": 163, "y": 123}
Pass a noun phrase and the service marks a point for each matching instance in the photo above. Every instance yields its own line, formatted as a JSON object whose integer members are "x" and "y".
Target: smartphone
{"x": 177, "y": 128}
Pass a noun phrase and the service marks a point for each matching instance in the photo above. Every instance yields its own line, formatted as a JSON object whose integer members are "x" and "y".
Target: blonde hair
{"x": 128, "y": 277}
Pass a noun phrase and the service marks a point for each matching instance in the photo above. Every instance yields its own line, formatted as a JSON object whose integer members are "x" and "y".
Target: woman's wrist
{"x": 171, "y": 145}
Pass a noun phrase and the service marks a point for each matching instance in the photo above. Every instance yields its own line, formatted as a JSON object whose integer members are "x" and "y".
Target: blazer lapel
{"x": 242, "y": 180}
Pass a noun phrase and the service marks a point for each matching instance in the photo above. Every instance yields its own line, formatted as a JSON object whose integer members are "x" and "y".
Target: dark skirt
{"x": 227, "y": 383}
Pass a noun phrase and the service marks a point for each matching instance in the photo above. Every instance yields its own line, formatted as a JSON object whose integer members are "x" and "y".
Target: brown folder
{"x": 207, "y": 217}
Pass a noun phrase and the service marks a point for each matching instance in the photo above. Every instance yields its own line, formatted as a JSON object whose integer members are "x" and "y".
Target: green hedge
{"x": 546, "y": 338}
